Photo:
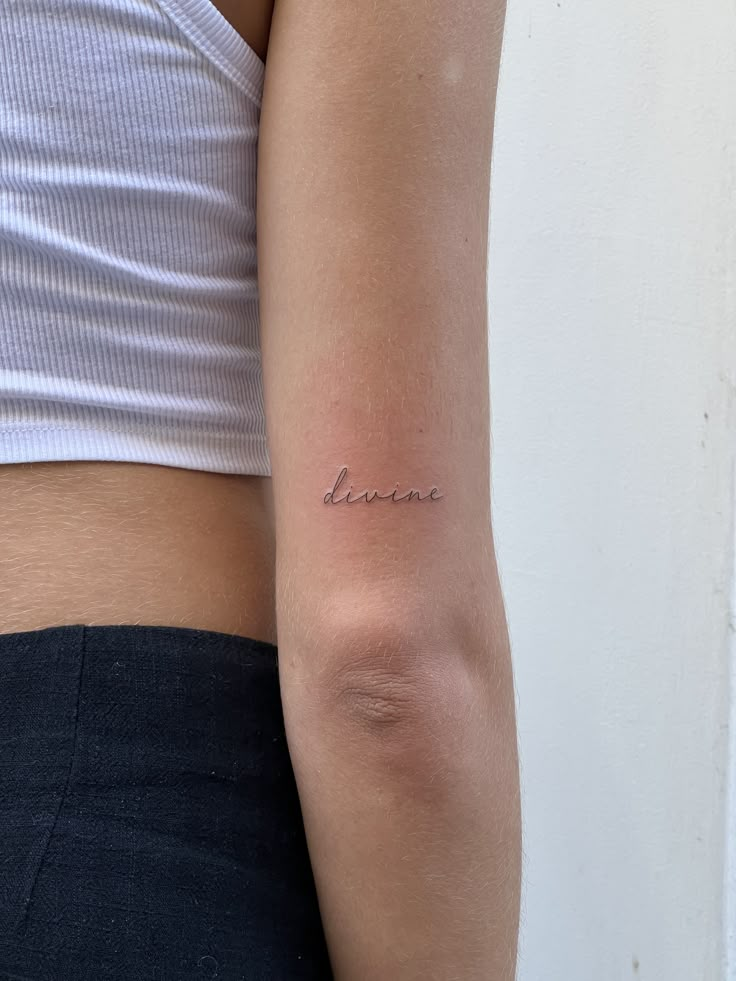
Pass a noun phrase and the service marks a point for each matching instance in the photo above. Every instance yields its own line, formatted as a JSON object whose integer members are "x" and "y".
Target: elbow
{"x": 384, "y": 697}
{"x": 395, "y": 689}
{"x": 420, "y": 706}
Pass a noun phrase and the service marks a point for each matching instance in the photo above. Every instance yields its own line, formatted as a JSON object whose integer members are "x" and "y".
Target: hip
{"x": 151, "y": 820}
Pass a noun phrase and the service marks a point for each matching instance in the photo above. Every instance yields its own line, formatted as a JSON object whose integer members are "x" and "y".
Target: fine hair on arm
{"x": 375, "y": 144}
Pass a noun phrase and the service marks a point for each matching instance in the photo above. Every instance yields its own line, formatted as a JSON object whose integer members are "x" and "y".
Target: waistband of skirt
{"x": 136, "y": 699}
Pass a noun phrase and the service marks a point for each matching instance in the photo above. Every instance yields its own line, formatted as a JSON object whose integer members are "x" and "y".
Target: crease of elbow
{"x": 398, "y": 692}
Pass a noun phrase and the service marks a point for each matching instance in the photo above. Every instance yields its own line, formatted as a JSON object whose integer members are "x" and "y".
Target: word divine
{"x": 330, "y": 498}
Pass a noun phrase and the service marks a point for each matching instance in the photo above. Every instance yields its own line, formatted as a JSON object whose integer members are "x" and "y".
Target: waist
{"x": 98, "y": 543}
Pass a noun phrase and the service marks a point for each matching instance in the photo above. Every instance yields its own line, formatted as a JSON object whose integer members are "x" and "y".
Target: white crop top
{"x": 128, "y": 280}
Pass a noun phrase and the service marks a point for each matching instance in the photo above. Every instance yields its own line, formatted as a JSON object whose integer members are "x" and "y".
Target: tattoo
{"x": 329, "y": 497}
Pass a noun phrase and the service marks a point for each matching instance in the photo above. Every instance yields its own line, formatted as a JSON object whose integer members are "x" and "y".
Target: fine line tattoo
{"x": 330, "y": 498}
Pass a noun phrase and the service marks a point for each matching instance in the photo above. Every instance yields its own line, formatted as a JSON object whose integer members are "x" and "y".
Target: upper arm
{"x": 372, "y": 221}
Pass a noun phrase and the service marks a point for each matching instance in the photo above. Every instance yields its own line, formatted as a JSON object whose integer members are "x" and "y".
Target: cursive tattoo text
{"x": 330, "y": 498}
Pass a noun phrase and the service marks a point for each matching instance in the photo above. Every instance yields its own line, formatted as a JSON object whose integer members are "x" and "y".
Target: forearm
{"x": 410, "y": 794}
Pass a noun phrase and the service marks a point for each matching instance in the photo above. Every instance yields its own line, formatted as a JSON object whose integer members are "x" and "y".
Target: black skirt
{"x": 150, "y": 825}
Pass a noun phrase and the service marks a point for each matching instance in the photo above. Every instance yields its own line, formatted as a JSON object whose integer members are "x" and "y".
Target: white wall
{"x": 613, "y": 381}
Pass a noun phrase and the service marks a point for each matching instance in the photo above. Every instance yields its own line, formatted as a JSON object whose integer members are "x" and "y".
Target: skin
{"x": 373, "y": 205}
{"x": 368, "y": 497}
{"x": 251, "y": 19}
{"x": 121, "y": 543}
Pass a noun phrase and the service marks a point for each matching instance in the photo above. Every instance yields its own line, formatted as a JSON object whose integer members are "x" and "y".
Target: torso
{"x": 93, "y": 542}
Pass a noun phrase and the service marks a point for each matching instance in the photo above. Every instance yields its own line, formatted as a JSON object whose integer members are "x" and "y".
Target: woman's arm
{"x": 373, "y": 193}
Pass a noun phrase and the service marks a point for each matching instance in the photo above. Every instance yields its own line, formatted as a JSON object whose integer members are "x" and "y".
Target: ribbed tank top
{"x": 128, "y": 279}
